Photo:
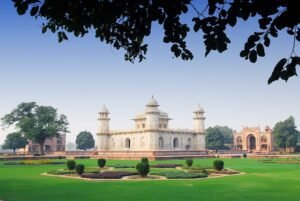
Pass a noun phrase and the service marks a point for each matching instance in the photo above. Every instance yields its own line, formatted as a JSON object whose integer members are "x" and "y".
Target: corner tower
{"x": 103, "y": 129}
{"x": 199, "y": 119}
{"x": 103, "y": 120}
{"x": 152, "y": 114}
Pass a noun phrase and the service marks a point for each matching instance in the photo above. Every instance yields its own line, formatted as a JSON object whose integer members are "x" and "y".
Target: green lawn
{"x": 262, "y": 182}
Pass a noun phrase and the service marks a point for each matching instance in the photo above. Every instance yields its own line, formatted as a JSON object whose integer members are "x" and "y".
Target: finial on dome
{"x": 104, "y": 109}
{"x": 199, "y": 109}
{"x": 152, "y": 102}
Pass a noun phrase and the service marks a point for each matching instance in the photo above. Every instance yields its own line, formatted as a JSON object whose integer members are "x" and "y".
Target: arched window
{"x": 175, "y": 142}
{"x": 161, "y": 142}
{"x": 239, "y": 140}
{"x": 127, "y": 143}
{"x": 263, "y": 139}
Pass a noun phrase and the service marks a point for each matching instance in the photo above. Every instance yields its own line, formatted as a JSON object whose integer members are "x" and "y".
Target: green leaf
{"x": 267, "y": 41}
{"x": 253, "y": 56}
{"x": 34, "y": 10}
{"x": 277, "y": 70}
{"x": 260, "y": 50}
{"x": 244, "y": 53}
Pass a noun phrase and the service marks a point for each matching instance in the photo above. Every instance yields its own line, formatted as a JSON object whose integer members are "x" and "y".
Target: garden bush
{"x": 244, "y": 155}
{"x": 218, "y": 165}
{"x": 81, "y": 157}
{"x": 80, "y": 169}
{"x": 144, "y": 160}
{"x": 143, "y": 169}
{"x": 181, "y": 175}
{"x": 101, "y": 162}
{"x": 189, "y": 162}
{"x": 71, "y": 164}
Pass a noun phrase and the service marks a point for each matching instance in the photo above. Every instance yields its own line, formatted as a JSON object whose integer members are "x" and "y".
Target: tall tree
{"x": 285, "y": 133}
{"x": 217, "y": 136}
{"x": 126, "y": 24}
{"x": 227, "y": 134}
{"x": 14, "y": 141}
{"x": 37, "y": 123}
{"x": 85, "y": 140}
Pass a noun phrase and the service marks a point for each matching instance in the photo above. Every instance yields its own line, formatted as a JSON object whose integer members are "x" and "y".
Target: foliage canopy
{"x": 36, "y": 123}
{"x": 125, "y": 24}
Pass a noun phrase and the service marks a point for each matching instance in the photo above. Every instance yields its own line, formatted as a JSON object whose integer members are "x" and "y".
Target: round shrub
{"x": 144, "y": 160}
{"x": 71, "y": 164}
{"x": 218, "y": 165}
{"x": 101, "y": 162}
{"x": 80, "y": 169}
{"x": 143, "y": 169}
{"x": 244, "y": 155}
{"x": 189, "y": 162}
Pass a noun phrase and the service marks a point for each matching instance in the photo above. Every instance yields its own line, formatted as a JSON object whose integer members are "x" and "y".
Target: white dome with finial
{"x": 104, "y": 110}
{"x": 199, "y": 109}
{"x": 152, "y": 102}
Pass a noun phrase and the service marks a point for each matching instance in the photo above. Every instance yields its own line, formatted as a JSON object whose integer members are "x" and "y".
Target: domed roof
{"x": 198, "y": 109}
{"x": 152, "y": 102}
{"x": 104, "y": 110}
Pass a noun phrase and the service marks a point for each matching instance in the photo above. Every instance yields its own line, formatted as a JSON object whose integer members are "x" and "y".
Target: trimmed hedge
{"x": 68, "y": 172}
{"x": 181, "y": 175}
{"x": 80, "y": 169}
{"x": 30, "y": 162}
{"x": 218, "y": 165}
{"x": 81, "y": 157}
{"x": 108, "y": 175}
{"x": 71, "y": 164}
{"x": 166, "y": 165}
{"x": 122, "y": 166}
{"x": 144, "y": 160}
{"x": 101, "y": 162}
{"x": 189, "y": 162}
{"x": 244, "y": 155}
{"x": 143, "y": 169}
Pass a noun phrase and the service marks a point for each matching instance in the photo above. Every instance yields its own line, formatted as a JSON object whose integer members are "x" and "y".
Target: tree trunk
{"x": 14, "y": 149}
{"x": 41, "y": 148}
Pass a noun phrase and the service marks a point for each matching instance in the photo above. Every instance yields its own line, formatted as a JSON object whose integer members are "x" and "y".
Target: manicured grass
{"x": 262, "y": 181}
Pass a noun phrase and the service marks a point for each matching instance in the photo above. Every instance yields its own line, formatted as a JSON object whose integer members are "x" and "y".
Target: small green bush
{"x": 80, "y": 169}
{"x": 143, "y": 169}
{"x": 101, "y": 162}
{"x": 189, "y": 162}
{"x": 218, "y": 165}
{"x": 244, "y": 155}
{"x": 181, "y": 175}
{"x": 71, "y": 164}
{"x": 144, "y": 160}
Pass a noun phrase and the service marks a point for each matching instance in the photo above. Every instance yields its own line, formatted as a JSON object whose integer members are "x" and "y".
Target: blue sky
{"x": 80, "y": 75}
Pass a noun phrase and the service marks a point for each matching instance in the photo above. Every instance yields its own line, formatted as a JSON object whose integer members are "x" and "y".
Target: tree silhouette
{"x": 125, "y": 24}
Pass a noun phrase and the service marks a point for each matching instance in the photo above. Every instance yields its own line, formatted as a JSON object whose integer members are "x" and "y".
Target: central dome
{"x": 152, "y": 102}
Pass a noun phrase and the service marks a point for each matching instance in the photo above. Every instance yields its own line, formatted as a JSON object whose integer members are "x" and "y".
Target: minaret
{"x": 152, "y": 114}
{"x": 103, "y": 129}
{"x": 199, "y": 120}
{"x": 103, "y": 120}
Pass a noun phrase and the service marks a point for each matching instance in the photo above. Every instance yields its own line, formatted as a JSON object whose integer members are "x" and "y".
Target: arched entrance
{"x": 176, "y": 143}
{"x": 251, "y": 143}
{"x": 127, "y": 143}
{"x": 161, "y": 142}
